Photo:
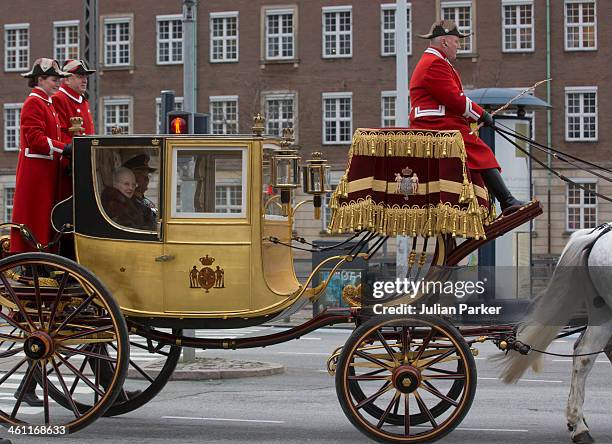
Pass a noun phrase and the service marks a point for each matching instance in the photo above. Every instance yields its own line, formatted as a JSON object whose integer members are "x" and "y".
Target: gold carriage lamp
{"x": 316, "y": 180}
{"x": 285, "y": 170}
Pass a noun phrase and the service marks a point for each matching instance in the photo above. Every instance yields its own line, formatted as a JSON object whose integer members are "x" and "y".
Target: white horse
{"x": 583, "y": 276}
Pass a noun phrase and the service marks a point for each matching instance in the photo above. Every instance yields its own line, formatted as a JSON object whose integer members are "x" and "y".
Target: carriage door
{"x": 207, "y": 227}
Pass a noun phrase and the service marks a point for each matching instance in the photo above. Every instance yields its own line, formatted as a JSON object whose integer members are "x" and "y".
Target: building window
{"x": 224, "y": 37}
{"x": 581, "y": 114}
{"x": 117, "y": 43}
{"x": 224, "y": 114}
{"x": 228, "y": 198}
{"x": 337, "y": 118}
{"x": 178, "y": 106}
{"x": 280, "y": 34}
{"x": 16, "y": 47}
{"x": 66, "y": 40}
{"x": 9, "y": 194}
{"x": 169, "y": 39}
{"x": 461, "y": 13}
{"x": 581, "y": 205}
{"x": 580, "y": 25}
{"x": 517, "y": 20}
{"x": 12, "y": 114}
{"x": 387, "y": 29}
{"x": 387, "y": 108}
{"x": 280, "y": 113}
{"x": 337, "y": 32}
{"x": 117, "y": 114}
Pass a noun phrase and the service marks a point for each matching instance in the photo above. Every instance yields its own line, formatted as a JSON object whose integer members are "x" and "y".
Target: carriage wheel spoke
{"x": 373, "y": 360}
{"x": 28, "y": 378}
{"x": 10, "y": 352}
{"x": 80, "y": 376}
{"x": 426, "y": 342}
{"x": 451, "y": 376}
{"x": 17, "y": 302}
{"x": 423, "y": 408}
{"x": 405, "y": 344}
{"x": 13, "y": 323}
{"x": 71, "y": 316}
{"x": 384, "y": 389}
{"x": 67, "y": 394}
{"x": 37, "y": 295}
{"x": 437, "y": 358}
{"x": 87, "y": 333}
{"x": 370, "y": 378}
{"x": 45, "y": 387}
{"x": 387, "y": 347}
{"x": 13, "y": 370}
{"x": 10, "y": 337}
{"x": 159, "y": 352}
{"x": 427, "y": 386}
{"x": 81, "y": 369}
{"x": 87, "y": 353}
{"x": 406, "y": 414}
{"x": 58, "y": 296}
{"x": 381, "y": 421}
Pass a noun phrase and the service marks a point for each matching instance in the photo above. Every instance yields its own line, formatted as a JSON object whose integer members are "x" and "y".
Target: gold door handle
{"x": 164, "y": 258}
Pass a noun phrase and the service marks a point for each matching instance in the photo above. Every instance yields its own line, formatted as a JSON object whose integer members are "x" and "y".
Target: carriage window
{"x": 209, "y": 182}
{"x": 128, "y": 186}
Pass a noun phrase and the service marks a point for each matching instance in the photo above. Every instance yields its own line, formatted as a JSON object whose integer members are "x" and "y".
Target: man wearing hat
{"x": 70, "y": 102}
{"x": 41, "y": 151}
{"x": 140, "y": 167}
{"x": 439, "y": 103}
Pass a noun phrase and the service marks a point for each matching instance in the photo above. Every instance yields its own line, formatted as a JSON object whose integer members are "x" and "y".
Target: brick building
{"x": 327, "y": 67}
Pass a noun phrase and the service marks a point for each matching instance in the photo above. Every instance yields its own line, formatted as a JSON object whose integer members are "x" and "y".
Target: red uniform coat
{"x": 438, "y": 103}
{"x": 38, "y": 169}
{"x": 69, "y": 103}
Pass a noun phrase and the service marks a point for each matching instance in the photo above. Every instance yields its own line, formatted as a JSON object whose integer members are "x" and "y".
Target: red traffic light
{"x": 178, "y": 125}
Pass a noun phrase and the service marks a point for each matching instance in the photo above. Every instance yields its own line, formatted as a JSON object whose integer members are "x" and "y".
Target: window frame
{"x": 336, "y": 10}
{"x": 294, "y": 43}
{"x": 336, "y": 96}
{"x": 110, "y": 101}
{"x": 224, "y": 15}
{"x": 65, "y": 47}
{"x": 385, "y": 95}
{"x": 5, "y": 205}
{"x": 16, "y": 27}
{"x": 580, "y": 26}
{"x": 581, "y": 90}
{"x": 581, "y": 205}
{"x": 393, "y": 7}
{"x": 170, "y": 19}
{"x": 224, "y": 100}
{"x": 117, "y": 20}
{"x": 450, "y": 4}
{"x": 518, "y": 26}
{"x": 292, "y": 95}
{"x": 12, "y": 107}
{"x": 243, "y": 215}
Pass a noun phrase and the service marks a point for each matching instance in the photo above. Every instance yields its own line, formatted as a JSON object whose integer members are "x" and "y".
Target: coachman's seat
{"x": 413, "y": 183}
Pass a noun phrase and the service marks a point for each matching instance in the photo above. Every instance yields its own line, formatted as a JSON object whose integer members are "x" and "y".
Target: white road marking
{"x": 525, "y": 380}
{"x": 266, "y": 421}
{"x": 599, "y": 361}
{"x": 303, "y": 353}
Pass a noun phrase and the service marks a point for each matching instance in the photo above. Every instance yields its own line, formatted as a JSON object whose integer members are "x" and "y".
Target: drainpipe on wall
{"x": 548, "y": 131}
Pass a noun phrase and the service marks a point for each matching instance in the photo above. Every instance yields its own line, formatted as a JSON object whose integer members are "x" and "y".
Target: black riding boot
{"x": 498, "y": 189}
{"x": 29, "y": 395}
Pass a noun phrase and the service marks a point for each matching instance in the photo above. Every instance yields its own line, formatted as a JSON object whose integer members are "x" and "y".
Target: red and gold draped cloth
{"x": 413, "y": 183}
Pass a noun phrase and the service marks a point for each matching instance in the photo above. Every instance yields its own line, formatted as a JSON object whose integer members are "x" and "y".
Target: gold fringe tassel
{"x": 412, "y": 143}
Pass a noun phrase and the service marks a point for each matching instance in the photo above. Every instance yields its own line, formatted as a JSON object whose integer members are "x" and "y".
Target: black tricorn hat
{"x": 139, "y": 162}
{"x": 444, "y": 27}
{"x": 45, "y": 67}
{"x": 77, "y": 67}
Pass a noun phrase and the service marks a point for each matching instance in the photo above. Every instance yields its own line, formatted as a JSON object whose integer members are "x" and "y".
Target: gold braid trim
{"x": 429, "y": 221}
{"x": 408, "y": 143}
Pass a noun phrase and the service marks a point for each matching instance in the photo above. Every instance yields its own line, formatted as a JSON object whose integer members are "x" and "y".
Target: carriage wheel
{"x": 56, "y": 318}
{"x": 403, "y": 366}
{"x": 134, "y": 393}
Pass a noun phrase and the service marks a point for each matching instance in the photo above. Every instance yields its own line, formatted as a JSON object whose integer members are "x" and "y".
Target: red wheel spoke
{"x": 381, "y": 421}
{"x": 405, "y": 343}
{"x": 438, "y": 358}
{"x": 84, "y": 304}
{"x": 426, "y": 342}
{"x": 453, "y": 376}
{"x": 13, "y": 323}
{"x": 8, "y": 353}
{"x": 159, "y": 352}
{"x": 443, "y": 371}
{"x": 67, "y": 393}
{"x": 86, "y": 333}
{"x": 58, "y": 296}
{"x": 17, "y": 302}
{"x": 423, "y": 408}
{"x": 372, "y": 359}
{"x": 369, "y": 378}
{"x": 11, "y": 338}
{"x": 13, "y": 370}
{"x": 88, "y": 353}
{"x": 427, "y": 386}
{"x": 45, "y": 387}
{"x": 387, "y": 347}
{"x": 406, "y": 414}
{"x": 80, "y": 375}
{"x": 37, "y": 295}
{"x": 81, "y": 368}
{"x": 28, "y": 379}
{"x": 384, "y": 389}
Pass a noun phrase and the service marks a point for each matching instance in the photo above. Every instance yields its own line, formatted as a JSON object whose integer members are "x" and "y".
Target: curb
{"x": 211, "y": 368}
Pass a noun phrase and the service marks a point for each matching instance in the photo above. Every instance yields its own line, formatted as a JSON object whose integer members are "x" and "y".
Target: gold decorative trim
{"x": 408, "y": 143}
{"x": 443, "y": 218}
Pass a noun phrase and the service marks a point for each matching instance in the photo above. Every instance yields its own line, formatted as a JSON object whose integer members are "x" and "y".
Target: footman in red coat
{"x": 439, "y": 103}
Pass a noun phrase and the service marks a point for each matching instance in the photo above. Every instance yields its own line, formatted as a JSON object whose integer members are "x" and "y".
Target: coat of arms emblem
{"x": 207, "y": 277}
{"x": 406, "y": 183}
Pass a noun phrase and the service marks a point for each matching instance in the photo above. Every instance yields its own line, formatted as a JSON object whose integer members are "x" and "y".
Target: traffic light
{"x": 178, "y": 122}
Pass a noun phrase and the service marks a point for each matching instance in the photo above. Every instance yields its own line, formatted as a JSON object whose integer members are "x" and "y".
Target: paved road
{"x": 300, "y": 406}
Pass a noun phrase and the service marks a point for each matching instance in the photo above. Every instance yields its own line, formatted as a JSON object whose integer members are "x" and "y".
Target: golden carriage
{"x": 219, "y": 256}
